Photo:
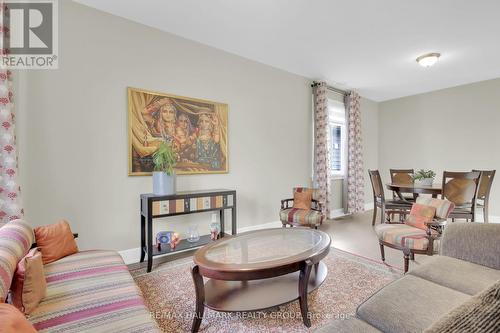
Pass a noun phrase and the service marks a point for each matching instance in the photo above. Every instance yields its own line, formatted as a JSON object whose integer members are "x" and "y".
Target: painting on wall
{"x": 196, "y": 129}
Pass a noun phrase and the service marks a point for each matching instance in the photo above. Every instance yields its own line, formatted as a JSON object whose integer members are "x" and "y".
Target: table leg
{"x": 222, "y": 226}
{"x": 150, "y": 244}
{"x": 143, "y": 237}
{"x": 305, "y": 272}
{"x": 200, "y": 298}
{"x": 233, "y": 217}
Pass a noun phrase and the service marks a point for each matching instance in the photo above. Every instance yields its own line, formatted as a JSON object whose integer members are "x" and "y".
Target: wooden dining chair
{"x": 461, "y": 188}
{"x": 483, "y": 193}
{"x": 403, "y": 177}
{"x": 387, "y": 207}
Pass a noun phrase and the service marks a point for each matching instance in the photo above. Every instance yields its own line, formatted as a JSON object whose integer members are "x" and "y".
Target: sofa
{"x": 457, "y": 288}
{"x": 89, "y": 291}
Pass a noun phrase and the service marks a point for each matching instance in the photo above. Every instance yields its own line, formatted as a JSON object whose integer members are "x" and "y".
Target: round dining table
{"x": 433, "y": 189}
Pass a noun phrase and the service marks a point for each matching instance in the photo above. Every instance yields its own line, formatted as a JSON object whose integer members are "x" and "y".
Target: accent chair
{"x": 311, "y": 216}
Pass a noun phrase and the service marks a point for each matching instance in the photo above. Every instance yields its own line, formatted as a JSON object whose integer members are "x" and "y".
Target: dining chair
{"x": 387, "y": 207}
{"x": 461, "y": 188}
{"x": 483, "y": 193}
{"x": 404, "y": 177}
{"x": 419, "y": 233}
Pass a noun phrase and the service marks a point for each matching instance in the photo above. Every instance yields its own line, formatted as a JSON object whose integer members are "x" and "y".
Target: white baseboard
{"x": 132, "y": 256}
{"x": 336, "y": 213}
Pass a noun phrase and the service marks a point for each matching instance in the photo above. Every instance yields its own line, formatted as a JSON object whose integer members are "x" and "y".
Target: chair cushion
{"x": 403, "y": 236}
{"x": 410, "y": 304}
{"x": 16, "y": 238}
{"x": 301, "y": 217}
{"x": 351, "y": 325}
{"x": 467, "y": 277}
{"x": 479, "y": 314}
{"x": 91, "y": 291}
{"x": 419, "y": 215}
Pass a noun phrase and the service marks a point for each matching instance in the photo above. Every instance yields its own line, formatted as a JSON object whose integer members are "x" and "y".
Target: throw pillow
{"x": 13, "y": 321}
{"x": 55, "y": 241}
{"x": 29, "y": 284}
{"x": 302, "y": 200}
{"x": 419, "y": 215}
{"x": 478, "y": 314}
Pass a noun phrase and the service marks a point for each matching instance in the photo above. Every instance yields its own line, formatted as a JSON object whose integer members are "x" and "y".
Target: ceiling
{"x": 367, "y": 45}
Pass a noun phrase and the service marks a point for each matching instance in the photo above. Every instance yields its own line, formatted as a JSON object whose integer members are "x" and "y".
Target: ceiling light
{"x": 429, "y": 59}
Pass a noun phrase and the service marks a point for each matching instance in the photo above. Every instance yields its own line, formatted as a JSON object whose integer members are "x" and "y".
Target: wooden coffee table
{"x": 258, "y": 270}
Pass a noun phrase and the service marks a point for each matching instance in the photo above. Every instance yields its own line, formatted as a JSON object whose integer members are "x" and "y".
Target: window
{"x": 337, "y": 132}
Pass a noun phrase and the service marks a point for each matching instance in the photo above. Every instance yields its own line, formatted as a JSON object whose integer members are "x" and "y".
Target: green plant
{"x": 164, "y": 158}
{"x": 422, "y": 174}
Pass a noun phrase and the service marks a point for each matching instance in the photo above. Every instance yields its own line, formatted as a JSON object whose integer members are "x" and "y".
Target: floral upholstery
{"x": 404, "y": 236}
{"x": 294, "y": 216}
{"x": 16, "y": 238}
{"x": 91, "y": 291}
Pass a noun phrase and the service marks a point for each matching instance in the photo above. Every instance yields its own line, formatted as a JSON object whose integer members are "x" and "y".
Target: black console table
{"x": 181, "y": 203}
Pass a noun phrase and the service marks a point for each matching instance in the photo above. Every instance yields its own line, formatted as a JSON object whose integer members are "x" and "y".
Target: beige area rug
{"x": 169, "y": 294}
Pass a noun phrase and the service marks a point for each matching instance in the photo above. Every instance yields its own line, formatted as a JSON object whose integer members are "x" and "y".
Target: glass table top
{"x": 264, "y": 247}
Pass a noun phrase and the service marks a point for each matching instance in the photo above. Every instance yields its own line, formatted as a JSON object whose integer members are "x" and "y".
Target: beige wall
{"x": 72, "y": 127}
{"x": 454, "y": 129}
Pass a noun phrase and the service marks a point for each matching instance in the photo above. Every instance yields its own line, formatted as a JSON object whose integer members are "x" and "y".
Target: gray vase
{"x": 163, "y": 184}
{"x": 427, "y": 181}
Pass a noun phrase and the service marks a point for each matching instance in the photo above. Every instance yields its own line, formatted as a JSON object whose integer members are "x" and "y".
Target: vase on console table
{"x": 163, "y": 184}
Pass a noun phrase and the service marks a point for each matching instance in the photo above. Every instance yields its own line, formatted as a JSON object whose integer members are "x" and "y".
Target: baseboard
{"x": 336, "y": 213}
{"x": 132, "y": 256}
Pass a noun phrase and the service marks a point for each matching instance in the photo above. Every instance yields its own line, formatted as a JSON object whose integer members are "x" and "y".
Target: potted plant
{"x": 425, "y": 177}
{"x": 164, "y": 175}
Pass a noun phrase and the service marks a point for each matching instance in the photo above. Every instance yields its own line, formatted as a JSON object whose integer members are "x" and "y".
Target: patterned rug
{"x": 169, "y": 294}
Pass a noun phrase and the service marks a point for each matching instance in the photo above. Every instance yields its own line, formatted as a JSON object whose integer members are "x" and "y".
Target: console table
{"x": 181, "y": 203}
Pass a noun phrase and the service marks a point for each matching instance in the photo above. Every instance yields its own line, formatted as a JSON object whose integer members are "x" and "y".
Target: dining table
{"x": 414, "y": 188}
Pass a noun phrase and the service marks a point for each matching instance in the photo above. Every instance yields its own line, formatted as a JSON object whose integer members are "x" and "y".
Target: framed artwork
{"x": 196, "y": 129}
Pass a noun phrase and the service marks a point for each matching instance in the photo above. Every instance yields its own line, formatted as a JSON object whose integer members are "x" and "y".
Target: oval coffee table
{"x": 258, "y": 270}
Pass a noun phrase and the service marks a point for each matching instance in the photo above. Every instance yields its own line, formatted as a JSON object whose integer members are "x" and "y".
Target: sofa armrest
{"x": 474, "y": 242}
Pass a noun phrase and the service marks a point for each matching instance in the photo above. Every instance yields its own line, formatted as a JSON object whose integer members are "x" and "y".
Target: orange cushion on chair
{"x": 419, "y": 215}
{"x": 13, "y": 321}
{"x": 55, "y": 241}
{"x": 302, "y": 200}
{"x": 29, "y": 285}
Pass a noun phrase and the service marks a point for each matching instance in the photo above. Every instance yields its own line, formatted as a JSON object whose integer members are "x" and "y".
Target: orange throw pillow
{"x": 13, "y": 321}
{"x": 302, "y": 200}
{"x": 419, "y": 215}
{"x": 55, "y": 241}
{"x": 29, "y": 285}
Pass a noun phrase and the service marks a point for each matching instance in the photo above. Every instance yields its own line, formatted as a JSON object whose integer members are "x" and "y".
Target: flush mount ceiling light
{"x": 429, "y": 59}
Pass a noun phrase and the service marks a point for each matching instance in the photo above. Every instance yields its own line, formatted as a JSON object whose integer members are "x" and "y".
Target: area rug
{"x": 170, "y": 296}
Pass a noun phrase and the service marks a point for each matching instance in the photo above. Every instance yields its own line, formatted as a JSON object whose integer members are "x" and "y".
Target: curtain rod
{"x": 338, "y": 91}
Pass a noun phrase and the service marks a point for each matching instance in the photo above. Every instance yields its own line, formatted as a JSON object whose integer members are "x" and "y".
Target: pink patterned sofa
{"x": 90, "y": 291}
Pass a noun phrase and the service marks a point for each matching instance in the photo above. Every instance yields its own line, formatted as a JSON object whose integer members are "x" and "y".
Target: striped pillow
{"x": 443, "y": 207}
{"x": 16, "y": 238}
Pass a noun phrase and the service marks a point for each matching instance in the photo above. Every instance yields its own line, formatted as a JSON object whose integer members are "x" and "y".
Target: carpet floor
{"x": 169, "y": 294}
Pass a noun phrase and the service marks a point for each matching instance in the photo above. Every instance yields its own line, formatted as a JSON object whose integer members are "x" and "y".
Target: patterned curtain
{"x": 10, "y": 207}
{"x": 321, "y": 147}
{"x": 355, "y": 174}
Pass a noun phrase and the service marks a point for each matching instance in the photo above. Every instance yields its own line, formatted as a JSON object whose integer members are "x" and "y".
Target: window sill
{"x": 337, "y": 177}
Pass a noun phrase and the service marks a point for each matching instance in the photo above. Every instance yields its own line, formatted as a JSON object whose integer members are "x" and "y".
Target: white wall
{"x": 72, "y": 127}
{"x": 454, "y": 129}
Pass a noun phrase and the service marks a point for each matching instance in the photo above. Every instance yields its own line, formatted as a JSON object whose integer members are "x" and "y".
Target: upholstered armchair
{"x": 305, "y": 216}
{"x": 419, "y": 233}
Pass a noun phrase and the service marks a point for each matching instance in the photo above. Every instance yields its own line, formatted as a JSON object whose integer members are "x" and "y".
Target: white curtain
{"x": 355, "y": 170}
{"x": 321, "y": 147}
{"x": 10, "y": 206}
